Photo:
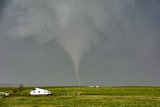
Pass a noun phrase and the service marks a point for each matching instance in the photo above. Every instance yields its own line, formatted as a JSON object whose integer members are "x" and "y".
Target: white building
{"x": 39, "y": 91}
{"x": 4, "y": 94}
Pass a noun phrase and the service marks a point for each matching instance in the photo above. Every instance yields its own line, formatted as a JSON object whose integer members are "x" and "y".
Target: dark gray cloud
{"x": 2, "y": 4}
{"x": 105, "y": 42}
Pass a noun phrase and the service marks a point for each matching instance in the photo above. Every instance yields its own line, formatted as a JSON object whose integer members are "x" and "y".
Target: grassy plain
{"x": 85, "y": 97}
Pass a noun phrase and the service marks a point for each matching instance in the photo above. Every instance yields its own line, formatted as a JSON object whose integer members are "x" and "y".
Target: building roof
{"x": 40, "y": 89}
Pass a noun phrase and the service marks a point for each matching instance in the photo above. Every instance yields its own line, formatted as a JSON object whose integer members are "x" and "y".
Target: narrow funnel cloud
{"x": 72, "y": 24}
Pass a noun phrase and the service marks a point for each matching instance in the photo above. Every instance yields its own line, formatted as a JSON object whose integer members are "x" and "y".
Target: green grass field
{"x": 85, "y": 97}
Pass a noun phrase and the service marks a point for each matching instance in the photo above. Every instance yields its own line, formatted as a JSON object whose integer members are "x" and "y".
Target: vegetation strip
{"x": 83, "y": 96}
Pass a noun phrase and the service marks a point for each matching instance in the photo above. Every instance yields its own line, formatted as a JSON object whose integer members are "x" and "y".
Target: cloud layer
{"x": 77, "y": 25}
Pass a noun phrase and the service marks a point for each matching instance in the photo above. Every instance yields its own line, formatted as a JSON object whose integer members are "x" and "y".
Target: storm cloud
{"x": 111, "y": 37}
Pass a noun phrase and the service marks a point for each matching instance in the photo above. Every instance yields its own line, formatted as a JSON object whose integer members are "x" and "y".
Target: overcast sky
{"x": 80, "y": 42}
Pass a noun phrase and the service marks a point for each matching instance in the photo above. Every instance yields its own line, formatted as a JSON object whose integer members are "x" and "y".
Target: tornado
{"x": 74, "y": 25}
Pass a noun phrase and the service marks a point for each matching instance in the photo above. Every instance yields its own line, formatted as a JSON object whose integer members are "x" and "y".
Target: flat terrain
{"x": 137, "y": 96}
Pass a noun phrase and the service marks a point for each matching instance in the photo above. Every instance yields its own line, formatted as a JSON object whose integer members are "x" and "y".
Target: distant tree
{"x": 20, "y": 88}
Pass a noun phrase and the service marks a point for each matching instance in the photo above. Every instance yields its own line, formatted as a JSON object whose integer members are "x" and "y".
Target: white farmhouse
{"x": 39, "y": 91}
{"x": 4, "y": 94}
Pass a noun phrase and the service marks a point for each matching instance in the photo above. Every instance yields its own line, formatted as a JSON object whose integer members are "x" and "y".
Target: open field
{"x": 85, "y": 97}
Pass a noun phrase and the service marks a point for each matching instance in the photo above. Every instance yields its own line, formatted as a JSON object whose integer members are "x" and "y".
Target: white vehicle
{"x": 39, "y": 91}
{"x": 4, "y": 94}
